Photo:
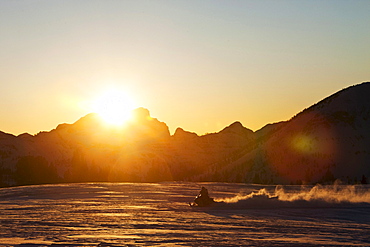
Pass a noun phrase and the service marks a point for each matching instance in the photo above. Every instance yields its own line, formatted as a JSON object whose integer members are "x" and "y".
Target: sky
{"x": 198, "y": 65}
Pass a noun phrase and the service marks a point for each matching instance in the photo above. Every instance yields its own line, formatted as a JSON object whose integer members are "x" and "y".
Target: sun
{"x": 114, "y": 107}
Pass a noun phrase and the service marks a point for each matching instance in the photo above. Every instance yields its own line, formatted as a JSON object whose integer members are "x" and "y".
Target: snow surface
{"x": 157, "y": 214}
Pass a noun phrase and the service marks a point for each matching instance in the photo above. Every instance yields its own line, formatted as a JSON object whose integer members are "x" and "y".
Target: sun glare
{"x": 114, "y": 107}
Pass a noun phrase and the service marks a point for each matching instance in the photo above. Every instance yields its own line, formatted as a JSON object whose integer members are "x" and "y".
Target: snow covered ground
{"x": 158, "y": 214}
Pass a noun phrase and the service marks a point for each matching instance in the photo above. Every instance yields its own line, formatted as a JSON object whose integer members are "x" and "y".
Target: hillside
{"x": 327, "y": 141}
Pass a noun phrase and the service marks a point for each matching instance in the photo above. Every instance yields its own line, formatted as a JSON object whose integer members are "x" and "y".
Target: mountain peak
{"x": 236, "y": 127}
{"x": 141, "y": 114}
{"x": 180, "y": 133}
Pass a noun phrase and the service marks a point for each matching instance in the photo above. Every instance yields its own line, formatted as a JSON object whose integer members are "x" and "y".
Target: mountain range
{"x": 328, "y": 141}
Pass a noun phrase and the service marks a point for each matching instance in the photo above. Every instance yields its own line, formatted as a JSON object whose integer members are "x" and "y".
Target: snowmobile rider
{"x": 203, "y": 193}
{"x": 203, "y": 198}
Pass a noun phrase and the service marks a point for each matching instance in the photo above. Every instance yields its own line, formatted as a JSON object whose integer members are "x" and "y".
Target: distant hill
{"x": 330, "y": 140}
{"x": 327, "y": 141}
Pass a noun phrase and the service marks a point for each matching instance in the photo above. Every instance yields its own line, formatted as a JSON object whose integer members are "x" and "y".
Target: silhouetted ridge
{"x": 328, "y": 141}
{"x": 237, "y": 128}
{"x": 182, "y": 134}
{"x": 4, "y": 135}
{"x": 354, "y": 98}
{"x": 141, "y": 114}
{"x": 325, "y": 142}
{"x": 91, "y": 121}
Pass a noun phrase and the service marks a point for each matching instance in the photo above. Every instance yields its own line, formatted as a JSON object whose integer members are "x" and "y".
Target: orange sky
{"x": 196, "y": 65}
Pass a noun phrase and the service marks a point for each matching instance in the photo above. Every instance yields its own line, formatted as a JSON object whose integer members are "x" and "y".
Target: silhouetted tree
{"x": 79, "y": 171}
{"x": 4, "y": 175}
{"x": 363, "y": 179}
{"x": 34, "y": 170}
{"x": 328, "y": 177}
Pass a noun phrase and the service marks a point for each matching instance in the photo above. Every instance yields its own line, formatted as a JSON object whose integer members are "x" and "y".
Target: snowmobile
{"x": 202, "y": 202}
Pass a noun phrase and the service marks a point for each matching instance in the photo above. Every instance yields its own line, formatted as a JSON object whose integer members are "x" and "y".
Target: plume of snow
{"x": 332, "y": 194}
{"x": 262, "y": 193}
{"x": 318, "y": 196}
